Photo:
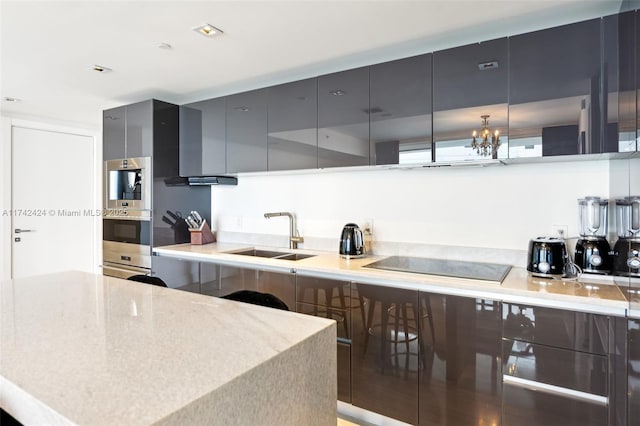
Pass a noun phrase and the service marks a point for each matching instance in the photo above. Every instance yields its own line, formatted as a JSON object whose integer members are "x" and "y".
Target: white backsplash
{"x": 482, "y": 214}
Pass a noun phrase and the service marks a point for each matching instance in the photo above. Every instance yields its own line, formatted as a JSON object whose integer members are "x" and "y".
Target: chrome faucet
{"x": 294, "y": 235}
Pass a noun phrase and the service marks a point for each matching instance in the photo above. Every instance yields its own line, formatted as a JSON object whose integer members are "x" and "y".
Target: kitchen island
{"x": 80, "y": 348}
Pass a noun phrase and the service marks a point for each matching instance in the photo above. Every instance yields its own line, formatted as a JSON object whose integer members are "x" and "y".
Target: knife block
{"x": 202, "y": 235}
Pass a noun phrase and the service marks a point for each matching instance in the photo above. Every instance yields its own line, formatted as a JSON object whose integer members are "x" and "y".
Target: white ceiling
{"x": 48, "y": 47}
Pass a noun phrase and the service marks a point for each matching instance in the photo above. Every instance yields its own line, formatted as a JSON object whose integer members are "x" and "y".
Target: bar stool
{"x": 148, "y": 280}
{"x": 257, "y": 298}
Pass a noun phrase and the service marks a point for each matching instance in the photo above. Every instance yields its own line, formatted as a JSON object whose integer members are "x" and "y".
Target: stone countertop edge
{"x": 77, "y": 348}
{"x": 590, "y": 294}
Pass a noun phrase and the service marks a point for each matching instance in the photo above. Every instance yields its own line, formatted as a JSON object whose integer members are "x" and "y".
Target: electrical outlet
{"x": 560, "y": 231}
{"x": 367, "y": 224}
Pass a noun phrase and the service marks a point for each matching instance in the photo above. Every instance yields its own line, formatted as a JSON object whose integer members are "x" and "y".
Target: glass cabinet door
{"x": 470, "y": 95}
{"x": 293, "y": 125}
{"x": 554, "y": 87}
{"x": 203, "y": 138}
{"x": 343, "y": 119}
{"x": 400, "y": 111}
{"x": 247, "y": 132}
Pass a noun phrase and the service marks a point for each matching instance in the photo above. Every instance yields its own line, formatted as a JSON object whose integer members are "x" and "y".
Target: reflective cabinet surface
{"x": 633, "y": 371}
{"x": 343, "y": 118}
{"x": 460, "y": 383}
{"x": 331, "y": 299}
{"x": 247, "y": 131}
{"x": 555, "y": 83}
{"x": 385, "y": 351}
{"x": 203, "y": 138}
{"x": 113, "y": 133}
{"x": 469, "y": 88}
{"x": 281, "y": 285}
{"x": 559, "y": 368}
{"x": 293, "y": 124}
{"x": 400, "y": 111}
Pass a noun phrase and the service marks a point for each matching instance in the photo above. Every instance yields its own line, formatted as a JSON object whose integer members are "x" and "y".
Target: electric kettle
{"x": 351, "y": 242}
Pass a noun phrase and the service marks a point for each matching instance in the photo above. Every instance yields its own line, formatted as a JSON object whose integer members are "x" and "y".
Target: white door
{"x": 53, "y": 202}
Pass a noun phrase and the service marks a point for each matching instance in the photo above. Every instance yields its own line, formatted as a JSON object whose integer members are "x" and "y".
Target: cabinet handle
{"x": 555, "y": 390}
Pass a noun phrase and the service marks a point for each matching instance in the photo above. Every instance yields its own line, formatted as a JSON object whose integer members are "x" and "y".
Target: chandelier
{"x": 485, "y": 140}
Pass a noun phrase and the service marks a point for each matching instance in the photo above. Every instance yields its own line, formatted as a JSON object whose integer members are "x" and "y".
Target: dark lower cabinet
{"x": 460, "y": 376}
{"x": 386, "y": 352}
{"x": 633, "y": 372}
{"x": 562, "y": 368}
{"x": 328, "y": 298}
{"x": 281, "y": 285}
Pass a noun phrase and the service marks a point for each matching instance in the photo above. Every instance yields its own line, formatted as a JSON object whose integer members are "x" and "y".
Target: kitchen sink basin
{"x": 260, "y": 253}
{"x": 295, "y": 256}
{"x": 271, "y": 254}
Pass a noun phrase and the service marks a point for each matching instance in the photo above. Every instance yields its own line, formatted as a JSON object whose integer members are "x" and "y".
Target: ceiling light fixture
{"x": 101, "y": 69}
{"x": 207, "y": 30}
{"x": 165, "y": 46}
{"x": 480, "y": 141}
{"x": 10, "y": 99}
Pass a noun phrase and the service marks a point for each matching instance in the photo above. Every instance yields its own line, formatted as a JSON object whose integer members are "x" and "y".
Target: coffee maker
{"x": 593, "y": 252}
{"x": 627, "y": 248}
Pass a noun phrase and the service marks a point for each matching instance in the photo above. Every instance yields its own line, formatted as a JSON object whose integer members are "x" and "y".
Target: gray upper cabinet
{"x": 555, "y": 88}
{"x": 144, "y": 129}
{"x": 343, "y": 118}
{"x": 129, "y": 131}
{"x": 161, "y": 140}
{"x": 203, "y": 138}
{"x": 618, "y": 108}
{"x": 140, "y": 129}
{"x": 113, "y": 133}
{"x": 469, "y": 83}
{"x": 400, "y": 112}
{"x": 293, "y": 125}
{"x": 247, "y": 132}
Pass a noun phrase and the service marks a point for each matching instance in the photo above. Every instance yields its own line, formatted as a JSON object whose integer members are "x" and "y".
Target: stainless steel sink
{"x": 295, "y": 256}
{"x": 271, "y": 254}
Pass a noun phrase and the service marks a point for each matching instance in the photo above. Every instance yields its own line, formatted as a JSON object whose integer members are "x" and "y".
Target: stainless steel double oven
{"x": 126, "y": 225}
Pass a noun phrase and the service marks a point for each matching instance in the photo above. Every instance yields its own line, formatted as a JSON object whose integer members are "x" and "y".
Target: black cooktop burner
{"x": 448, "y": 268}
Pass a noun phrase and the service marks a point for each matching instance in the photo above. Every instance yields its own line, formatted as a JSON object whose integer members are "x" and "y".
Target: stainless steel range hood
{"x": 200, "y": 180}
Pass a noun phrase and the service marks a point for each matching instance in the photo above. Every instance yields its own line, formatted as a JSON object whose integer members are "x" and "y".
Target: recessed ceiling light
{"x": 10, "y": 99}
{"x": 165, "y": 46}
{"x": 207, "y": 30}
{"x": 100, "y": 69}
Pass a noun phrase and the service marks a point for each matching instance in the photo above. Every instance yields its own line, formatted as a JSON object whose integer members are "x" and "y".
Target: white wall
{"x": 499, "y": 207}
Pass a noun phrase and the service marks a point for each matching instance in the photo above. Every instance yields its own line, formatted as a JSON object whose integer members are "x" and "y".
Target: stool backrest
{"x": 257, "y": 298}
{"x": 148, "y": 280}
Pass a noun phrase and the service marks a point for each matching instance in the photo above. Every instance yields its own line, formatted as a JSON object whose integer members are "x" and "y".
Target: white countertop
{"x": 589, "y": 294}
{"x": 86, "y": 349}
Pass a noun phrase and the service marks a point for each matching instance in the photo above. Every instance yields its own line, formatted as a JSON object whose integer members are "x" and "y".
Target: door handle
{"x": 19, "y": 231}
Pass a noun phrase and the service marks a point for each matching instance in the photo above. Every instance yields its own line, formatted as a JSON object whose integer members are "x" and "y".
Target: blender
{"x": 627, "y": 248}
{"x": 592, "y": 253}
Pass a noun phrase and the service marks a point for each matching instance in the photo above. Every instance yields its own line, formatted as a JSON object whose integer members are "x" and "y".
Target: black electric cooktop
{"x": 448, "y": 268}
